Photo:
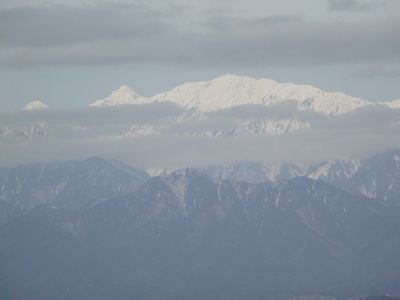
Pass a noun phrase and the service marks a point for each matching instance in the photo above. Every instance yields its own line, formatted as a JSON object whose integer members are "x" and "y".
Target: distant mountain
{"x": 190, "y": 233}
{"x": 100, "y": 229}
{"x": 333, "y": 172}
{"x": 376, "y": 177}
{"x": 199, "y": 99}
{"x": 255, "y": 172}
{"x": 393, "y": 104}
{"x": 231, "y": 90}
{"x": 187, "y": 236}
{"x": 212, "y": 109}
{"x": 27, "y": 131}
{"x": 69, "y": 185}
{"x": 123, "y": 95}
{"x": 33, "y": 105}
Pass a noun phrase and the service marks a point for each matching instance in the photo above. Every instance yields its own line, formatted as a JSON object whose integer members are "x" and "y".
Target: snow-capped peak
{"x": 231, "y": 90}
{"x": 124, "y": 95}
{"x": 33, "y": 105}
{"x": 393, "y": 104}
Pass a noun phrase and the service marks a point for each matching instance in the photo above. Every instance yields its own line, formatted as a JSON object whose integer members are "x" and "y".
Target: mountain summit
{"x": 124, "y": 95}
{"x": 33, "y": 105}
{"x": 231, "y": 90}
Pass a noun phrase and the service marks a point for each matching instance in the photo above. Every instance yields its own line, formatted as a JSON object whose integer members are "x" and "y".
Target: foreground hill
{"x": 187, "y": 236}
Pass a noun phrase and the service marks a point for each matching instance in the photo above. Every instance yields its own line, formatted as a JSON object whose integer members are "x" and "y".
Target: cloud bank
{"x": 106, "y": 34}
{"x": 360, "y": 134}
{"x": 353, "y": 5}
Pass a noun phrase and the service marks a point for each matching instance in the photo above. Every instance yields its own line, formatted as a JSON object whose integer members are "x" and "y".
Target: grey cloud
{"x": 179, "y": 151}
{"x": 95, "y": 117}
{"x": 347, "y": 5}
{"x": 375, "y": 72}
{"x": 59, "y": 25}
{"x": 353, "y": 5}
{"x": 226, "y": 23}
{"x": 102, "y": 52}
{"x": 228, "y": 119}
{"x": 362, "y": 133}
{"x": 195, "y": 125}
{"x": 301, "y": 43}
{"x": 373, "y": 118}
{"x": 62, "y": 36}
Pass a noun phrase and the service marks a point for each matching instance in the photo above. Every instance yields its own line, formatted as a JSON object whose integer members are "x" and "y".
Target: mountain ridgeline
{"x": 208, "y": 99}
{"x": 376, "y": 177}
{"x": 290, "y": 191}
{"x": 67, "y": 185}
{"x": 99, "y": 229}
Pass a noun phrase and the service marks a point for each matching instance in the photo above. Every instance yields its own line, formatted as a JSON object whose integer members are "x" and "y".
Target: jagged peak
{"x": 34, "y": 105}
{"x": 231, "y": 90}
{"x": 126, "y": 89}
{"x": 123, "y": 95}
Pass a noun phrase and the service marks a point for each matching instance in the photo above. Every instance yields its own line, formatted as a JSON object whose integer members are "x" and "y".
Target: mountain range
{"x": 221, "y": 111}
{"x": 68, "y": 185}
{"x": 230, "y": 90}
{"x": 200, "y": 99}
{"x": 111, "y": 232}
{"x": 236, "y": 188}
{"x": 375, "y": 177}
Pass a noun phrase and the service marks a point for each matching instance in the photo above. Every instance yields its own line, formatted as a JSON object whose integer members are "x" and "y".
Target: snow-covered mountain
{"x": 231, "y": 90}
{"x": 26, "y": 131}
{"x": 271, "y": 108}
{"x": 393, "y": 104}
{"x": 270, "y": 127}
{"x": 140, "y": 130}
{"x": 333, "y": 172}
{"x": 123, "y": 95}
{"x": 33, "y": 105}
{"x": 69, "y": 185}
{"x": 100, "y": 228}
{"x": 199, "y": 99}
{"x": 376, "y": 177}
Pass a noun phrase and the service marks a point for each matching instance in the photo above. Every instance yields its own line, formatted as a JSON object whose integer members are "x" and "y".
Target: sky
{"x": 69, "y": 53}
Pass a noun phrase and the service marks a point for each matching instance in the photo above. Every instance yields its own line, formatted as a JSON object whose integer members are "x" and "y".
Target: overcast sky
{"x": 69, "y": 53}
